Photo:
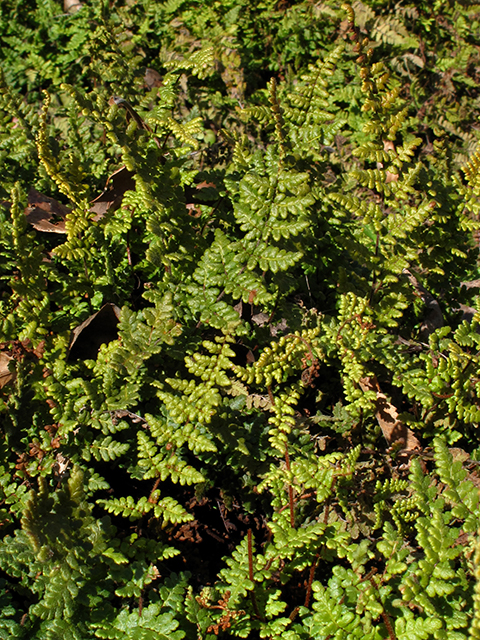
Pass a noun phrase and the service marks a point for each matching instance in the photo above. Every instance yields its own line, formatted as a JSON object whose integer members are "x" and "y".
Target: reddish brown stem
{"x": 304, "y": 496}
{"x": 294, "y": 613}
{"x": 311, "y": 575}
{"x": 384, "y": 614}
{"x": 155, "y": 486}
{"x": 327, "y": 513}
{"x": 250, "y": 554}
{"x": 270, "y": 395}
{"x": 290, "y": 491}
{"x": 250, "y": 573}
{"x": 388, "y": 624}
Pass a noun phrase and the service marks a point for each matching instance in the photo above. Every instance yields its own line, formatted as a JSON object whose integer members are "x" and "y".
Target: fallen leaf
{"x": 391, "y": 177}
{"x": 193, "y": 210}
{"x": 111, "y": 197}
{"x": 202, "y": 193}
{"x": 98, "y": 329}
{"x": 388, "y": 146}
{"x": 6, "y": 375}
{"x": 72, "y": 6}
{"x": 459, "y": 454}
{"x": 124, "y": 413}
{"x": 261, "y": 319}
{"x": 472, "y": 284}
{"x": 61, "y": 466}
{"x": 468, "y": 313}
{"x": 433, "y": 318}
{"x": 152, "y": 78}
{"x": 41, "y": 210}
{"x": 205, "y": 185}
{"x": 394, "y": 431}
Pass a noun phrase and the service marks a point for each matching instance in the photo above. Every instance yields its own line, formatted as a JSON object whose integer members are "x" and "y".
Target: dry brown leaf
{"x": 471, "y": 284}
{"x": 468, "y": 313}
{"x": 98, "y": 329}
{"x": 202, "y": 193}
{"x": 460, "y": 455}
{"x": 41, "y": 210}
{"x": 205, "y": 185}
{"x": 391, "y": 177}
{"x": 61, "y": 466}
{"x": 433, "y": 318}
{"x": 193, "y": 210}
{"x": 388, "y": 146}
{"x": 72, "y": 6}
{"x": 6, "y": 375}
{"x": 152, "y": 78}
{"x": 111, "y": 197}
{"x": 394, "y": 431}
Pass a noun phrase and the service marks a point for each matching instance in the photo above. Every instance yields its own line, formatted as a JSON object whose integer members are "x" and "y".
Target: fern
{"x": 286, "y": 247}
